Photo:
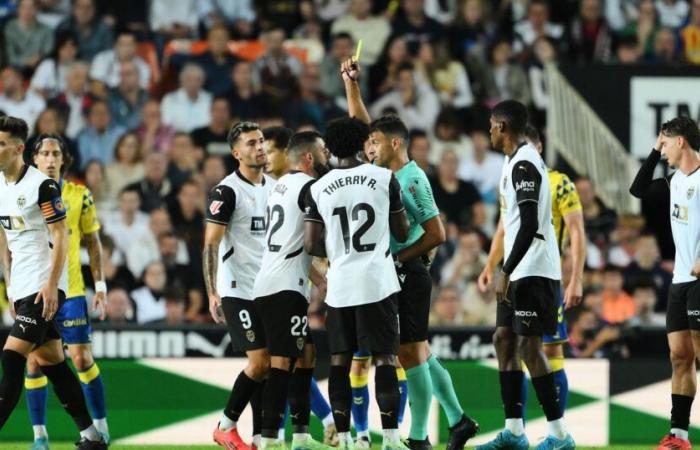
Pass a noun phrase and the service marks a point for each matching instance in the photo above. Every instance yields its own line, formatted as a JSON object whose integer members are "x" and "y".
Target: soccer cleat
{"x": 308, "y": 444}
{"x": 670, "y": 442}
{"x": 506, "y": 440}
{"x": 105, "y": 437}
{"x": 346, "y": 444}
{"x": 554, "y": 443}
{"x": 230, "y": 439}
{"x": 330, "y": 436}
{"x": 461, "y": 432}
{"x": 86, "y": 444}
{"x": 363, "y": 443}
{"x": 394, "y": 445}
{"x": 41, "y": 443}
{"x": 415, "y": 444}
{"x": 276, "y": 445}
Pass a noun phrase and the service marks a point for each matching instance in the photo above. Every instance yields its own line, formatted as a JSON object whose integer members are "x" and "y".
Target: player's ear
{"x": 502, "y": 126}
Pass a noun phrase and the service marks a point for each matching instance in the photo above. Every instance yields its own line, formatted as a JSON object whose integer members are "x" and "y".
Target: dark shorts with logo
{"x": 530, "y": 308}
{"x": 283, "y": 315}
{"x": 372, "y": 328}
{"x": 30, "y": 326}
{"x": 244, "y": 324}
{"x": 683, "y": 310}
{"x": 414, "y": 301}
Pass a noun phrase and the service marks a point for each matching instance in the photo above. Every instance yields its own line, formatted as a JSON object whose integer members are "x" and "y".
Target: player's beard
{"x": 321, "y": 169}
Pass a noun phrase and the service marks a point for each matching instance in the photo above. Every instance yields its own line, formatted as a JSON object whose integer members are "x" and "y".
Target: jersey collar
{"x": 521, "y": 145}
{"x": 22, "y": 173}
{"x": 242, "y": 177}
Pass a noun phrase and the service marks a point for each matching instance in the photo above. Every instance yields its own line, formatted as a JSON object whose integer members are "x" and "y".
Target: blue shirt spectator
{"x": 99, "y": 137}
{"x": 94, "y": 35}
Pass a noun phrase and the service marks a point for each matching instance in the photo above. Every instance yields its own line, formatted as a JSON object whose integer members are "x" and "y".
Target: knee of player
{"x": 81, "y": 356}
{"x": 682, "y": 359}
{"x": 258, "y": 368}
{"x": 503, "y": 338}
{"x": 33, "y": 367}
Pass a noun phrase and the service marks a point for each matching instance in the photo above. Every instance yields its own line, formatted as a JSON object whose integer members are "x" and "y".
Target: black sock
{"x": 547, "y": 395}
{"x": 388, "y": 396}
{"x": 340, "y": 394}
{"x": 680, "y": 411}
{"x": 256, "y": 407}
{"x": 68, "y": 390}
{"x": 511, "y": 385}
{"x": 13, "y": 365}
{"x": 300, "y": 399}
{"x": 274, "y": 400}
{"x": 242, "y": 391}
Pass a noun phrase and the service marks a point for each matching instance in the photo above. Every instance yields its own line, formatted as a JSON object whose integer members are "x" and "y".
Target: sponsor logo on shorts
{"x": 250, "y": 335}
{"x": 26, "y": 319}
{"x": 694, "y": 312}
{"x": 519, "y": 313}
{"x": 74, "y": 323}
{"x": 23, "y": 327}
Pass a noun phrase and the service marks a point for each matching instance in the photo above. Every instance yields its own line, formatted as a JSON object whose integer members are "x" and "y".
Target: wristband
{"x": 101, "y": 286}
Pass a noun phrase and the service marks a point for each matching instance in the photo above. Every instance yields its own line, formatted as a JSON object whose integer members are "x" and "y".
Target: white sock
{"x": 677, "y": 432}
{"x": 344, "y": 437}
{"x": 328, "y": 420}
{"x": 280, "y": 434}
{"x": 40, "y": 432}
{"x": 226, "y": 424}
{"x": 257, "y": 440}
{"x": 363, "y": 434}
{"x": 301, "y": 436}
{"x": 90, "y": 433}
{"x": 101, "y": 425}
{"x": 391, "y": 435}
{"x": 557, "y": 428}
{"x": 515, "y": 426}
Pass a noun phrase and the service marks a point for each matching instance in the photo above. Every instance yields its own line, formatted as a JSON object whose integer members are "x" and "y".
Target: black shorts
{"x": 530, "y": 308}
{"x": 372, "y": 328}
{"x": 283, "y": 315}
{"x": 30, "y": 326}
{"x": 414, "y": 301}
{"x": 244, "y": 324}
{"x": 683, "y": 310}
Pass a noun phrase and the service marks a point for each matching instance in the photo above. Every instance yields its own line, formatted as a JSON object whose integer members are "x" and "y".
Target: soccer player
{"x": 355, "y": 206}
{"x": 528, "y": 284}
{"x": 282, "y": 293}
{"x": 679, "y": 143}
{"x": 276, "y": 142}
{"x": 51, "y": 158}
{"x": 425, "y": 374}
{"x": 34, "y": 245}
{"x": 234, "y": 239}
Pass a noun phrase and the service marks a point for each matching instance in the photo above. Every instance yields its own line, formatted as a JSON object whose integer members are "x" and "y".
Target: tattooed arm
{"x": 213, "y": 234}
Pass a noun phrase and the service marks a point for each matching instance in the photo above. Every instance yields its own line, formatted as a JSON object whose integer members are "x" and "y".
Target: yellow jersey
{"x": 81, "y": 215}
{"x": 564, "y": 200}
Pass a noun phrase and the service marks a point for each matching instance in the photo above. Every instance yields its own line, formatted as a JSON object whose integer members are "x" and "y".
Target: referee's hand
{"x": 215, "y": 308}
{"x": 49, "y": 295}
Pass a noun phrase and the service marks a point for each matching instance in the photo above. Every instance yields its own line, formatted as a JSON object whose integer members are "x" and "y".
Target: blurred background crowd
{"x": 144, "y": 93}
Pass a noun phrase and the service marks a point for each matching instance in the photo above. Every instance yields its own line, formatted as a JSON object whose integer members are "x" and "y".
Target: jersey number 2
{"x": 342, "y": 214}
{"x": 277, "y": 225}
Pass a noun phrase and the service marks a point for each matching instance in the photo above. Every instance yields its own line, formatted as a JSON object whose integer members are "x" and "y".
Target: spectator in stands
{"x": 27, "y": 41}
{"x": 459, "y": 199}
{"x": 181, "y": 275}
{"x": 119, "y": 308}
{"x": 600, "y": 220}
{"x": 277, "y": 70}
{"x": 619, "y": 13}
{"x": 644, "y": 28}
{"x": 149, "y": 301}
{"x": 359, "y": 22}
{"x": 544, "y": 55}
{"x": 342, "y": 48}
{"x": 188, "y": 107}
{"x": 447, "y": 309}
{"x": 450, "y": 136}
{"x": 155, "y": 188}
{"x": 50, "y": 121}
{"x": 174, "y": 308}
{"x": 94, "y": 36}
{"x": 414, "y": 25}
{"x": 99, "y": 138}
{"x": 127, "y": 166}
{"x": 309, "y": 36}
{"x": 624, "y": 238}
{"x": 672, "y": 13}
{"x": 589, "y": 38}
{"x": 94, "y": 175}
{"x": 213, "y": 170}
{"x": 470, "y": 31}
{"x": 588, "y": 338}
{"x": 75, "y": 99}
{"x": 312, "y": 105}
{"x": 105, "y": 70}
{"x": 187, "y": 215}
{"x": 276, "y": 141}
{"x": 618, "y": 306}
{"x": 184, "y": 160}
{"x": 665, "y": 48}
{"x": 239, "y": 15}
{"x": 126, "y": 101}
{"x": 211, "y": 138}
{"x": 217, "y": 62}
{"x": 382, "y": 75}
{"x": 445, "y": 75}
{"x": 483, "y": 169}
{"x": 128, "y": 222}
{"x": 627, "y": 51}
{"x": 645, "y": 297}
{"x": 50, "y": 76}
{"x": 505, "y": 79}
{"x": 535, "y": 26}
{"x": 419, "y": 151}
{"x": 117, "y": 275}
{"x": 16, "y": 100}
{"x": 415, "y": 102}
{"x": 467, "y": 262}
{"x": 647, "y": 266}
{"x": 244, "y": 97}
{"x": 690, "y": 34}
{"x": 155, "y": 136}
{"x": 173, "y": 20}
{"x": 144, "y": 248}
{"x": 479, "y": 307}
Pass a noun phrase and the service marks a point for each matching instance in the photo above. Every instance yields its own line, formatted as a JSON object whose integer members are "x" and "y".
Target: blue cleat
{"x": 552, "y": 443}
{"x": 506, "y": 441}
{"x": 41, "y": 443}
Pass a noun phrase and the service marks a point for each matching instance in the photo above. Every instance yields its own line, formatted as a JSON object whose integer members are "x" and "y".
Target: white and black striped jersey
{"x": 354, "y": 205}
{"x": 524, "y": 179}
{"x": 26, "y": 206}
{"x": 685, "y": 223}
{"x": 285, "y": 264}
{"x": 240, "y": 205}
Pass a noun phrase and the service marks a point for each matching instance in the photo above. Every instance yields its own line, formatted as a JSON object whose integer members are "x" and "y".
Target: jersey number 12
{"x": 342, "y": 214}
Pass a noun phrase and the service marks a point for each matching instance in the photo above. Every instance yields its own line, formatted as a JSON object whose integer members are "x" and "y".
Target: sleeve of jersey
{"x": 395, "y": 199}
{"x": 422, "y": 195}
{"x": 88, "y": 217}
{"x": 526, "y": 182}
{"x": 50, "y": 202}
{"x": 303, "y": 194}
{"x": 567, "y": 197}
{"x": 221, "y": 202}
{"x": 311, "y": 213}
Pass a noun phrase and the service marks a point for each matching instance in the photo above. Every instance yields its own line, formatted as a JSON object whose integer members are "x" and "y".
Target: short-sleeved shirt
{"x": 82, "y": 219}
{"x": 564, "y": 201}
{"x": 417, "y": 196}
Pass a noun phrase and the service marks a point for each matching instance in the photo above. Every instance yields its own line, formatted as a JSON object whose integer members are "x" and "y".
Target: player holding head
{"x": 357, "y": 205}
{"x": 52, "y": 159}
{"x": 234, "y": 240}
{"x": 282, "y": 293}
{"x": 276, "y": 142}
{"x": 679, "y": 143}
{"x": 426, "y": 376}
{"x": 528, "y": 284}
{"x": 34, "y": 245}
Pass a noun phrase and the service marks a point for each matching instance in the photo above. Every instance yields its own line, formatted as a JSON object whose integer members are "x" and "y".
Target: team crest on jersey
{"x": 300, "y": 343}
{"x": 21, "y": 201}
{"x": 691, "y": 191}
{"x": 250, "y": 335}
{"x": 215, "y": 207}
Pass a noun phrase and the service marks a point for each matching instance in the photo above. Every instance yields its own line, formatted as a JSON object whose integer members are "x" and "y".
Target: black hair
{"x": 300, "y": 142}
{"x": 15, "y": 127}
{"x": 405, "y": 66}
{"x": 342, "y": 35}
{"x": 613, "y": 268}
{"x": 218, "y": 98}
{"x": 644, "y": 283}
{"x": 67, "y": 157}
{"x": 238, "y": 129}
{"x": 532, "y": 134}
{"x": 62, "y": 37}
{"x": 514, "y": 114}
{"x": 280, "y": 135}
{"x": 390, "y": 125}
{"x": 685, "y": 127}
{"x": 449, "y": 117}
{"x": 346, "y": 136}
{"x": 416, "y": 133}
{"x": 130, "y": 188}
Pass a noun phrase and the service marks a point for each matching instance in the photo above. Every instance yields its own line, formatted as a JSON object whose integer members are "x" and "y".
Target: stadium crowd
{"x": 144, "y": 94}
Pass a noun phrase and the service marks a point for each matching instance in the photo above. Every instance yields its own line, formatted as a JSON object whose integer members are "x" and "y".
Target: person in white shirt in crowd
{"x": 99, "y": 137}
{"x": 450, "y": 136}
{"x": 149, "y": 300}
{"x": 154, "y": 134}
{"x": 361, "y": 24}
{"x": 620, "y": 13}
{"x": 188, "y": 107}
{"x": 50, "y": 76}
{"x": 672, "y": 13}
{"x": 127, "y": 223}
{"x": 238, "y": 14}
{"x": 74, "y": 98}
{"x": 483, "y": 169}
{"x": 416, "y": 103}
{"x": 445, "y": 75}
{"x": 17, "y": 101}
{"x": 105, "y": 66}
{"x": 144, "y": 248}
{"x": 174, "y": 20}
{"x": 534, "y": 26}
